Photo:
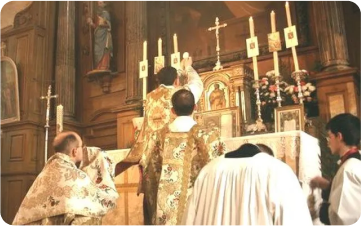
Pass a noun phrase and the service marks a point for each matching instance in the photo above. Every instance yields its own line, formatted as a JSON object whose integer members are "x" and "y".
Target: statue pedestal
{"x": 102, "y": 77}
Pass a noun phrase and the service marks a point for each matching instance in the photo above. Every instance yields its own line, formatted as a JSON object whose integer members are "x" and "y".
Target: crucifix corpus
{"x": 217, "y": 27}
{"x": 47, "y": 97}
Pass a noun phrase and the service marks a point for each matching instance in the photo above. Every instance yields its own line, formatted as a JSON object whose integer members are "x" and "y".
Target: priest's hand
{"x": 319, "y": 182}
{"x": 186, "y": 62}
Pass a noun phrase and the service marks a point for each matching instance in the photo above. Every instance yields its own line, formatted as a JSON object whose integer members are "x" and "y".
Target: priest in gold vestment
{"x": 62, "y": 194}
{"x": 183, "y": 150}
{"x": 158, "y": 115}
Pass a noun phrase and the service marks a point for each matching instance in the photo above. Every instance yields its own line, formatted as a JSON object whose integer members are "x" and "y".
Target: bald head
{"x": 66, "y": 141}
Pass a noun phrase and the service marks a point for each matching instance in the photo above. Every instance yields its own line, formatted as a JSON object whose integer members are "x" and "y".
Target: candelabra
{"x": 277, "y": 83}
{"x": 258, "y": 101}
{"x": 298, "y": 76}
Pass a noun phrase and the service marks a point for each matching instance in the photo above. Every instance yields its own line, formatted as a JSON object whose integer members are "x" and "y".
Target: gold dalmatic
{"x": 170, "y": 173}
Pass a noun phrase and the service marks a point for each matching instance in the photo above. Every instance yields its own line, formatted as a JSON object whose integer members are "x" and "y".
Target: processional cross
{"x": 48, "y": 97}
{"x": 217, "y": 27}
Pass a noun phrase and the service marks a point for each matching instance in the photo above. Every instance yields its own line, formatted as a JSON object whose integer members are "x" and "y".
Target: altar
{"x": 296, "y": 148}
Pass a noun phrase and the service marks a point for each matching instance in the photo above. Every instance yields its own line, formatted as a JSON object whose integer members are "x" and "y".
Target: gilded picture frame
{"x": 289, "y": 118}
{"x": 10, "y": 107}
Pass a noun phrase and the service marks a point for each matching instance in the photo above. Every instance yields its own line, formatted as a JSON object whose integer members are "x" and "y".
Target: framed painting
{"x": 10, "y": 109}
{"x": 289, "y": 118}
{"x": 226, "y": 121}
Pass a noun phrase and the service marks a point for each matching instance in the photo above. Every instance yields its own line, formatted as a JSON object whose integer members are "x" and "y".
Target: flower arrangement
{"x": 307, "y": 89}
{"x": 268, "y": 89}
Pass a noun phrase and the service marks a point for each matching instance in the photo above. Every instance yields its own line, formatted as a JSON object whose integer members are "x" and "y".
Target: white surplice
{"x": 345, "y": 195}
{"x": 258, "y": 190}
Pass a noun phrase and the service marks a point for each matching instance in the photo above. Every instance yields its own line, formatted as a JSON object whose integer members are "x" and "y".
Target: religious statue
{"x": 217, "y": 98}
{"x": 103, "y": 45}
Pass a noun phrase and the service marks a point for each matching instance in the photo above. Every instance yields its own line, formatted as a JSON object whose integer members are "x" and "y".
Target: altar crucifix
{"x": 217, "y": 27}
{"x": 48, "y": 98}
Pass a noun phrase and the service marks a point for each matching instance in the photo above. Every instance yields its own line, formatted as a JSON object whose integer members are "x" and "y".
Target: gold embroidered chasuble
{"x": 158, "y": 115}
{"x": 63, "y": 194}
{"x": 171, "y": 169}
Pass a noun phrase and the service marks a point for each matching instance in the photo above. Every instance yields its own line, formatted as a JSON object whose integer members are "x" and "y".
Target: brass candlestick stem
{"x": 298, "y": 76}
{"x": 258, "y": 101}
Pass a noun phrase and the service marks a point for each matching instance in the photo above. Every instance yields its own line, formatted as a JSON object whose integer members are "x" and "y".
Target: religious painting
{"x": 143, "y": 69}
{"x": 291, "y": 36}
{"x": 289, "y": 118}
{"x": 226, "y": 121}
{"x": 252, "y": 47}
{"x": 190, "y": 20}
{"x": 217, "y": 96}
{"x": 10, "y": 109}
{"x": 274, "y": 42}
{"x": 158, "y": 64}
{"x": 175, "y": 60}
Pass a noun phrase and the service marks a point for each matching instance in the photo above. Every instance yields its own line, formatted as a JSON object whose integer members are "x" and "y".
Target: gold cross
{"x": 217, "y": 27}
{"x": 3, "y": 47}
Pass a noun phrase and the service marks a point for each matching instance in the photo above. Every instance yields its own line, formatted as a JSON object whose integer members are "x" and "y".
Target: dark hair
{"x": 64, "y": 145}
{"x": 183, "y": 102}
{"x": 266, "y": 149}
{"x": 348, "y": 125}
{"x": 167, "y": 75}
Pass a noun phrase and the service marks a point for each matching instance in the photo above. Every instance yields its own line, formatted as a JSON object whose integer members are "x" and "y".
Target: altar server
{"x": 342, "y": 195}
{"x": 247, "y": 187}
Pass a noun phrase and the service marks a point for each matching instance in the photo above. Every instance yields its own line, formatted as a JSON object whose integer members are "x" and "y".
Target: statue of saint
{"x": 217, "y": 99}
{"x": 103, "y": 45}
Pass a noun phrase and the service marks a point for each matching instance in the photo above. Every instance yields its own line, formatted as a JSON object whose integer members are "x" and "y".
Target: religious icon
{"x": 10, "y": 111}
{"x": 289, "y": 118}
{"x": 291, "y": 34}
{"x": 252, "y": 47}
{"x": 175, "y": 62}
{"x": 274, "y": 42}
{"x": 143, "y": 69}
{"x": 217, "y": 99}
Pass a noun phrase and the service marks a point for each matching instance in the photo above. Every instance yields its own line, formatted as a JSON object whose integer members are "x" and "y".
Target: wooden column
{"x": 331, "y": 35}
{"x": 136, "y": 33}
{"x": 65, "y": 58}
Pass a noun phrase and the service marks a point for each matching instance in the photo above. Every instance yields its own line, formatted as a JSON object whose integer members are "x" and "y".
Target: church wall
{"x": 30, "y": 44}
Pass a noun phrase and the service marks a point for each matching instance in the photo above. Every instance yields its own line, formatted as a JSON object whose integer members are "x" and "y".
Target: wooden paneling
{"x": 338, "y": 92}
{"x": 13, "y": 190}
{"x": 17, "y": 148}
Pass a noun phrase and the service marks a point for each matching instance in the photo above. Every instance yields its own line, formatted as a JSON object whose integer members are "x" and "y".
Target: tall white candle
{"x": 144, "y": 50}
{"x": 175, "y": 43}
{"x": 59, "y": 118}
{"x": 159, "y": 47}
{"x": 275, "y": 53}
{"x": 295, "y": 59}
{"x": 288, "y": 14}
{"x": 251, "y": 27}
{"x": 144, "y": 88}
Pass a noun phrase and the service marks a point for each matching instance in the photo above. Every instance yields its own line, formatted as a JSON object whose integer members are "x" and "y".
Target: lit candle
{"x": 144, "y": 50}
{"x": 273, "y": 21}
{"x": 159, "y": 47}
{"x": 275, "y": 53}
{"x": 59, "y": 118}
{"x": 288, "y": 13}
{"x": 175, "y": 43}
{"x": 251, "y": 27}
